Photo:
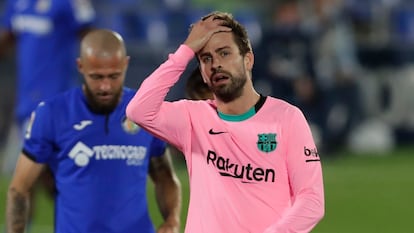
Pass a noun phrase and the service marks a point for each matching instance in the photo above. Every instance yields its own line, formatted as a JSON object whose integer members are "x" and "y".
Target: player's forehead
{"x": 111, "y": 60}
{"x": 218, "y": 42}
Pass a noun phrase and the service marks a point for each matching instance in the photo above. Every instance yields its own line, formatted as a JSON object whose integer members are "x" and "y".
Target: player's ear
{"x": 249, "y": 60}
{"x": 79, "y": 65}
{"x": 127, "y": 58}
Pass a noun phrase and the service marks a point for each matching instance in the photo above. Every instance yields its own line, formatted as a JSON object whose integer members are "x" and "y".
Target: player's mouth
{"x": 219, "y": 78}
{"x": 104, "y": 97}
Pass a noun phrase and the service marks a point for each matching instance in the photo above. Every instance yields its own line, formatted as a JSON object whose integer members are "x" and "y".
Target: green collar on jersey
{"x": 246, "y": 115}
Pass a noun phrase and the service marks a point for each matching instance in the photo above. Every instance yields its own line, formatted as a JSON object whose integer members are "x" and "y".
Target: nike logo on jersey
{"x": 82, "y": 124}
{"x": 212, "y": 132}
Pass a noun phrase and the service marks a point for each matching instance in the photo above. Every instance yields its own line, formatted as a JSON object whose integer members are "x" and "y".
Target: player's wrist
{"x": 173, "y": 221}
{"x": 170, "y": 226}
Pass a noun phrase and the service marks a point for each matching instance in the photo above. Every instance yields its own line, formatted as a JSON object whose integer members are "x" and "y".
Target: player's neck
{"x": 240, "y": 105}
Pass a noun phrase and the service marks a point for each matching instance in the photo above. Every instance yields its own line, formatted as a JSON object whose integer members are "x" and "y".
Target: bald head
{"x": 102, "y": 43}
{"x": 103, "y": 64}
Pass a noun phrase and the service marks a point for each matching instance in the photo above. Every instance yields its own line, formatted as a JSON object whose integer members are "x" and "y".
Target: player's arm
{"x": 167, "y": 191}
{"x": 7, "y": 41}
{"x": 18, "y": 196}
{"x": 305, "y": 179}
{"x": 7, "y": 35}
{"x": 148, "y": 108}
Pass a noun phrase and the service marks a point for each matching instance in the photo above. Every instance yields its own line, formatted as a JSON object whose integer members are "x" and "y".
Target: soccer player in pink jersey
{"x": 251, "y": 159}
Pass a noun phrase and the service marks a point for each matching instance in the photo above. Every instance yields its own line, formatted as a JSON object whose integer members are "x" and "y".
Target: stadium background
{"x": 367, "y": 161}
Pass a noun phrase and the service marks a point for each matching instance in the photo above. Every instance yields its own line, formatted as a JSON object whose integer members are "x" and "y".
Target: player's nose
{"x": 105, "y": 84}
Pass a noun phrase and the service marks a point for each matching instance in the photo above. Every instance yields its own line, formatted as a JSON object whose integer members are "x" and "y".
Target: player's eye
{"x": 114, "y": 76}
{"x": 206, "y": 59}
{"x": 95, "y": 76}
{"x": 224, "y": 53}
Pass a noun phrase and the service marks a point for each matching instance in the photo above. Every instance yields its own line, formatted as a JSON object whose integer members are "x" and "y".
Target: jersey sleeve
{"x": 38, "y": 139}
{"x": 149, "y": 109}
{"x": 305, "y": 178}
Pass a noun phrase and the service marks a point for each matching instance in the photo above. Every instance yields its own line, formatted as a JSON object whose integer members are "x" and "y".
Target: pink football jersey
{"x": 248, "y": 173}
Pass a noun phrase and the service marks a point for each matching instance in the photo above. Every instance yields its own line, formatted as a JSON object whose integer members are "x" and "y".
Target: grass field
{"x": 364, "y": 194}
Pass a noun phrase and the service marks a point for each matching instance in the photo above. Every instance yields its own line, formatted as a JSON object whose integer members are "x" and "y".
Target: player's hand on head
{"x": 201, "y": 32}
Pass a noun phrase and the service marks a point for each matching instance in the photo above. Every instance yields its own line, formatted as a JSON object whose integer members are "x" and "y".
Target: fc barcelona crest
{"x": 266, "y": 142}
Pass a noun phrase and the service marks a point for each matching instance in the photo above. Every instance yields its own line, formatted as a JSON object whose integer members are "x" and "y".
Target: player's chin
{"x": 107, "y": 108}
{"x": 106, "y": 105}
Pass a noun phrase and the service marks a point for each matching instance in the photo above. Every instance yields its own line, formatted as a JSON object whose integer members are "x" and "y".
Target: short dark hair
{"x": 196, "y": 88}
{"x": 239, "y": 31}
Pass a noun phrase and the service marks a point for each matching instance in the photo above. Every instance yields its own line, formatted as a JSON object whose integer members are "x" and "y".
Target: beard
{"x": 232, "y": 90}
{"x": 99, "y": 106}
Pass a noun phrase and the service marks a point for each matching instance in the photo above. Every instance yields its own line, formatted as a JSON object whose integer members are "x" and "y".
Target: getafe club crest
{"x": 266, "y": 142}
{"x": 129, "y": 126}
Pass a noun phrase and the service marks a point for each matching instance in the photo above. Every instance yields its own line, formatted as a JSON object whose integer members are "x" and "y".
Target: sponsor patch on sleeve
{"x": 311, "y": 154}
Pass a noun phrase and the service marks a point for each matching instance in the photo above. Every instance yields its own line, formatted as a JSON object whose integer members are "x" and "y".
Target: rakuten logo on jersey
{"x": 246, "y": 173}
{"x": 82, "y": 154}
